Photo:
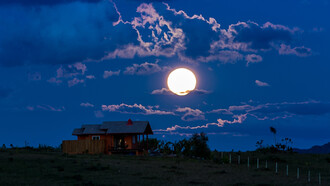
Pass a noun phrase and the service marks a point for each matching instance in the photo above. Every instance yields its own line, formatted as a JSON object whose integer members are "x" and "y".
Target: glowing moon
{"x": 181, "y": 81}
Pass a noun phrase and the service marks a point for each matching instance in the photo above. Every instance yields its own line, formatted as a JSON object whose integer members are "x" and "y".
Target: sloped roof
{"x": 115, "y": 127}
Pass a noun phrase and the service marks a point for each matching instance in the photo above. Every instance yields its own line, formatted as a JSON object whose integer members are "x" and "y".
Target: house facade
{"x": 110, "y": 137}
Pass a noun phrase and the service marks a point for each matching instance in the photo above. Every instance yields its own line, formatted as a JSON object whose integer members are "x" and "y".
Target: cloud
{"x": 45, "y": 108}
{"x": 63, "y": 34}
{"x": 252, "y": 58}
{"x": 135, "y": 109}
{"x": 298, "y": 51}
{"x": 191, "y": 114}
{"x": 274, "y": 111}
{"x": 219, "y": 123}
{"x": 42, "y": 2}
{"x": 144, "y": 68}
{"x": 75, "y": 81}
{"x": 261, "y": 84}
{"x": 86, "y": 104}
{"x": 90, "y": 77}
{"x": 110, "y": 73}
{"x": 98, "y": 114}
{"x": 67, "y": 33}
{"x": 165, "y": 91}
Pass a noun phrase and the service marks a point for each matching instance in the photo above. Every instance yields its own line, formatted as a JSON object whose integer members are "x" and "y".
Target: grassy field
{"x": 23, "y": 167}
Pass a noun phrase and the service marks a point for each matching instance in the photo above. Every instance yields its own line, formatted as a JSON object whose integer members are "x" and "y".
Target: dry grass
{"x": 35, "y": 168}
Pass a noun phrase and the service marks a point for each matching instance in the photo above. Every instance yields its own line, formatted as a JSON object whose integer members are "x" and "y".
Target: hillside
{"x": 23, "y": 167}
{"x": 323, "y": 149}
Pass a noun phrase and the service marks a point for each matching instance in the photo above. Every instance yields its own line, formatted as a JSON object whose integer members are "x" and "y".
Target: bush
{"x": 199, "y": 147}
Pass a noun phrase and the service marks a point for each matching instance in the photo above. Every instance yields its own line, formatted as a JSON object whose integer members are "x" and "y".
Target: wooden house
{"x": 110, "y": 137}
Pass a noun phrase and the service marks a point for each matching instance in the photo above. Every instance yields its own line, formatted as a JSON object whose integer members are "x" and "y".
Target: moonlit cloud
{"x": 45, "y": 108}
{"x": 261, "y": 84}
{"x": 144, "y": 68}
{"x": 75, "y": 81}
{"x": 219, "y": 123}
{"x": 110, "y": 73}
{"x": 298, "y": 51}
{"x": 166, "y": 91}
{"x": 191, "y": 114}
{"x": 252, "y": 58}
{"x": 135, "y": 109}
{"x": 86, "y": 104}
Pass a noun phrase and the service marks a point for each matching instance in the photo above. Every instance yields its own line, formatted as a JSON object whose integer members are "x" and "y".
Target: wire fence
{"x": 308, "y": 172}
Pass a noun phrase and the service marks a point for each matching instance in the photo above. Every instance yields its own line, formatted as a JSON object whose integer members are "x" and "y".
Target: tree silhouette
{"x": 273, "y": 130}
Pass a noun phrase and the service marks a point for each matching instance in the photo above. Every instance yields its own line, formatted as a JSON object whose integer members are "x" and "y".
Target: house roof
{"x": 115, "y": 127}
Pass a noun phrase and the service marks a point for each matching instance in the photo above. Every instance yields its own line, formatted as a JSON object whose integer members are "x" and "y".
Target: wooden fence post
{"x": 276, "y": 167}
{"x": 309, "y": 176}
{"x": 297, "y": 173}
{"x": 248, "y": 163}
{"x": 239, "y": 159}
{"x": 257, "y": 163}
{"x": 229, "y": 158}
{"x": 287, "y": 170}
{"x": 266, "y": 165}
{"x": 319, "y": 178}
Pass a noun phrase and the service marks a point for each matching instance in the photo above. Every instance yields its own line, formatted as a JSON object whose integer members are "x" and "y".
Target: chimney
{"x": 129, "y": 122}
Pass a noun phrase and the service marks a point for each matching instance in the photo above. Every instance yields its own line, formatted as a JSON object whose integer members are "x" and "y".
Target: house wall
{"x": 110, "y": 142}
{"x": 90, "y": 137}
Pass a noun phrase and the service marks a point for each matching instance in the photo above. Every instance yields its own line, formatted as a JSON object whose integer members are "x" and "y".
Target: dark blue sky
{"x": 64, "y": 63}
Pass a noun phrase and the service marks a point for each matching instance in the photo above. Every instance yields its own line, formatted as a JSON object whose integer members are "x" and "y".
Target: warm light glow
{"x": 181, "y": 81}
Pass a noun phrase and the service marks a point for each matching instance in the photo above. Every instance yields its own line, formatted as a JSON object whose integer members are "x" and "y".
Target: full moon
{"x": 181, "y": 81}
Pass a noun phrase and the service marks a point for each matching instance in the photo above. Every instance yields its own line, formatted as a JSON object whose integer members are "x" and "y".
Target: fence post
{"x": 257, "y": 163}
{"x": 287, "y": 170}
{"x": 297, "y": 173}
{"x": 266, "y": 164}
{"x": 229, "y": 158}
{"x": 276, "y": 167}
{"x": 248, "y": 163}
{"x": 309, "y": 176}
{"x": 239, "y": 159}
{"x": 319, "y": 178}
{"x": 221, "y": 155}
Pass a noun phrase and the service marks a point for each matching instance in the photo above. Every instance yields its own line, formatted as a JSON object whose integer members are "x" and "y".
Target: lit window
{"x": 133, "y": 140}
{"x": 95, "y": 137}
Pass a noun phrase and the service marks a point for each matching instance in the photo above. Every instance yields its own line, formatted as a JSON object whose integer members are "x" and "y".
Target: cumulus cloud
{"x": 166, "y": 91}
{"x": 261, "y": 84}
{"x": 86, "y": 104}
{"x": 191, "y": 114}
{"x": 298, "y": 51}
{"x": 252, "y": 58}
{"x": 144, "y": 68}
{"x": 64, "y": 33}
{"x": 110, "y": 73}
{"x": 274, "y": 111}
{"x": 98, "y": 114}
{"x": 45, "y": 108}
{"x": 69, "y": 73}
{"x": 90, "y": 77}
{"x": 135, "y": 109}
{"x": 219, "y": 123}
{"x": 75, "y": 81}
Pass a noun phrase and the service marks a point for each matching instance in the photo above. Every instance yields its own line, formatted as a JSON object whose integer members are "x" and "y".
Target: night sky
{"x": 64, "y": 63}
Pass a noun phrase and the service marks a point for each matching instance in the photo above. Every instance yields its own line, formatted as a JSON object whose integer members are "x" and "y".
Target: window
{"x": 95, "y": 137}
{"x": 133, "y": 139}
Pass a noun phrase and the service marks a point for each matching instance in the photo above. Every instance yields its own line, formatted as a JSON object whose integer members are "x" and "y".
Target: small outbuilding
{"x": 110, "y": 137}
